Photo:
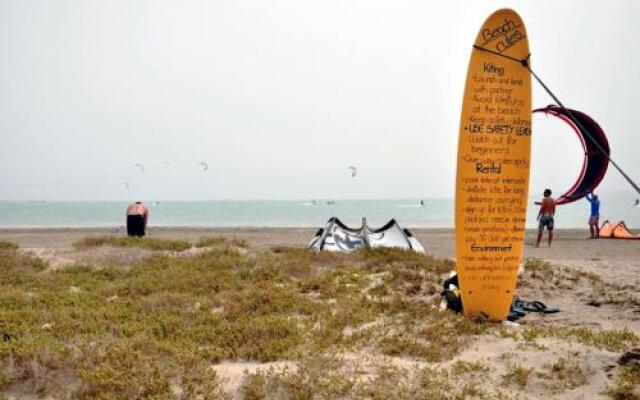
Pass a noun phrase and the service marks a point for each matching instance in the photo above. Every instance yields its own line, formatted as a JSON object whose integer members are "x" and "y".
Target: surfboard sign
{"x": 492, "y": 182}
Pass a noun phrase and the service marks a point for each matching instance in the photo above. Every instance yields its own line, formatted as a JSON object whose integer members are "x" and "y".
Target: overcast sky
{"x": 281, "y": 97}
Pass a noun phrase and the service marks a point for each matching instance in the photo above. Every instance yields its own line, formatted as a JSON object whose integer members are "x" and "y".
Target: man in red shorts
{"x": 545, "y": 216}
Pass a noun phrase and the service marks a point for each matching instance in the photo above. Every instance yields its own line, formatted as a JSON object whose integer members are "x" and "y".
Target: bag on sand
{"x": 451, "y": 293}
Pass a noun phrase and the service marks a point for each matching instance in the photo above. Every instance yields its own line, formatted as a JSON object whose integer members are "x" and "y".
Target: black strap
{"x": 525, "y": 63}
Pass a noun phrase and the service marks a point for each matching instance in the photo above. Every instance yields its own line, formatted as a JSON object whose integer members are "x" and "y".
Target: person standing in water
{"x": 545, "y": 216}
{"x": 137, "y": 218}
{"x": 594, "y": 217}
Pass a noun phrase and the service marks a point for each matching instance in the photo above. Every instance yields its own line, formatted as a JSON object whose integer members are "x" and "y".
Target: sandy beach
{"x": 593, "y": 282}
{"x": 616, "y": 261}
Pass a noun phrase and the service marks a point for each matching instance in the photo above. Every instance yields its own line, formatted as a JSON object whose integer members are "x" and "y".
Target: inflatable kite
{"x": 617, "y": 231}
{"x": 595, "y": 162}
{"x": 336, "y": 236}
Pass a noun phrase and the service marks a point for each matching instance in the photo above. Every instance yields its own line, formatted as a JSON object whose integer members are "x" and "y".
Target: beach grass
{"x": 627, "y": 384}
{"x": 137, "y": 332}
{"x": 324, "y": 377}
{"x": 212, "y": 241}
{"x": 565, "y": 373}
{"x": 154, "y": 243}
{"x": 150, "y": 243}
{"x": 6, "y": 245}
{"x": 159, "y": 328}
{"x": 517, "y": 374}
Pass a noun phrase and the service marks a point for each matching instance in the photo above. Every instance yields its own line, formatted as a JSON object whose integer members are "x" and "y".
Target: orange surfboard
{"x": 493, "y": 166}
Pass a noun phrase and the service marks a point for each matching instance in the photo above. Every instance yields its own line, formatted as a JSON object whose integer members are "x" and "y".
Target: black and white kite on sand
{"x": 336, "y": 236}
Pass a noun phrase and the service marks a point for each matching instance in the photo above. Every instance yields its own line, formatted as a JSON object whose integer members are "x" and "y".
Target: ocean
{"x": 436, "y": 213}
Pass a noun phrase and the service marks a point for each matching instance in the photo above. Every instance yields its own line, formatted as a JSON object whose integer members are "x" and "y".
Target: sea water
{"x": 435, "y": 213}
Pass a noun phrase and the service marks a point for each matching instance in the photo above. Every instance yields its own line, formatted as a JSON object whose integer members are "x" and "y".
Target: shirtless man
{"x": 137, "y": 218}
{"x": 545, "y": 216}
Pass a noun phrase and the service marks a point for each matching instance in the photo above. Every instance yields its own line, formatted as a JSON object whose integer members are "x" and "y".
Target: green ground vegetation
{"x": 627, "y": 384}
{"x": 517, "y": 374}
{"x": 566, "y": 372}
{"x": 323, "y": 377}
{"x": 156, "y": 329}
{"x": 141, "y": 332}
{"x": 154, "y": 243}
{"x": 150, "y": 243}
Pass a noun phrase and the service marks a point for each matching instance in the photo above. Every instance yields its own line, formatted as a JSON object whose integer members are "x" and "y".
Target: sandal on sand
{"x": 512, "y": 317}
{"x": 517, "y": 307}
{"x": 516, "y": 311}
{"x": 538, "y": 306}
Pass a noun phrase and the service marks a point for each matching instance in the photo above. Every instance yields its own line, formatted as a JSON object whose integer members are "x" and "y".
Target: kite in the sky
{"x": 139, "y": 166}
{"x": 205, "y": 166}
{"x": 354, "y": 171}
{"x": 596, "y": 151}
{"x": 127, "y": 186}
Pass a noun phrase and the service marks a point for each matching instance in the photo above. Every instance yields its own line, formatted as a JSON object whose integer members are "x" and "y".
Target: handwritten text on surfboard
{"x": 496, "y": 132}
{"x": 503, "y": 36}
